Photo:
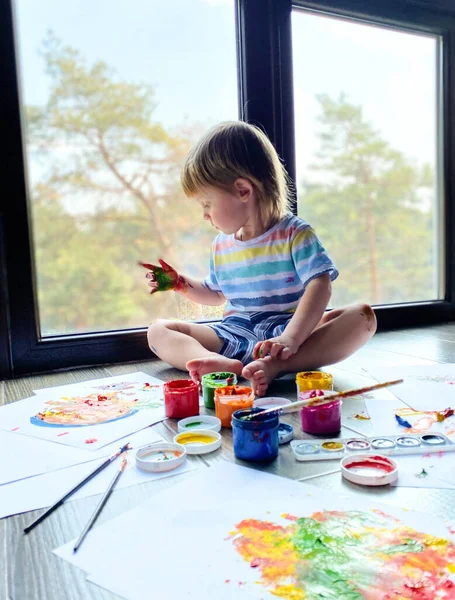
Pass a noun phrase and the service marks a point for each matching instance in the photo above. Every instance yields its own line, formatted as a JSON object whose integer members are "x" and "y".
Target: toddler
{"x": 266, "y": 263}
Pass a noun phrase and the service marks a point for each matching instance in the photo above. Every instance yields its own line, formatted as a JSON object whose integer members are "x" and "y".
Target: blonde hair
{"x": 237, "y": 149}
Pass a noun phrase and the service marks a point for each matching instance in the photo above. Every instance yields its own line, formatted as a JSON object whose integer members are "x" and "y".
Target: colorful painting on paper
{"x": 257, "y": 536}
{"x": 386, "y": 416}
{"x": 347, "y": 555}
{"x": 92, "y": 409}
{"x": 110, "y": 408}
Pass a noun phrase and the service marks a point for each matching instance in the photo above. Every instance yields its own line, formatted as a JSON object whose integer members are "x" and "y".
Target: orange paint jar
{"x": 231, "y": 398}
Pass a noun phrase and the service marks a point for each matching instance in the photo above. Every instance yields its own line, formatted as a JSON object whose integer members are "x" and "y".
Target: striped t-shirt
{"x": 270, "y": 272}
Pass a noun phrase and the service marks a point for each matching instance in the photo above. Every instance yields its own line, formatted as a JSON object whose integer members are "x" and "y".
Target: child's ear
{"x": 244, "y": 188}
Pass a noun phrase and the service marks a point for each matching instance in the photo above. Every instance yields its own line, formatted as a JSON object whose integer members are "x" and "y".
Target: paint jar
{"x": 211, "y": 381}
{"x": 255, "y": 439}
{"x": 231, "y": 398}
{"x": 181, "y": 398}
{"x": 323, "y": 419}
{"x": 313, "y": 380}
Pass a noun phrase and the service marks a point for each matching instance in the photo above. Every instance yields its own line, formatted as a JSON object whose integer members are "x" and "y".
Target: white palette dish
{"x": 369, "y": 469}
{"x": 160, "y": 457}
{"x": 200, "y": 422}
{"x": 189, "y": 439}
{"x": 271, "y": 402}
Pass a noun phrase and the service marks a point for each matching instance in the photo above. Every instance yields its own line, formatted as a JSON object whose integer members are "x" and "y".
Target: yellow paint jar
{"x": 313, "y": 380}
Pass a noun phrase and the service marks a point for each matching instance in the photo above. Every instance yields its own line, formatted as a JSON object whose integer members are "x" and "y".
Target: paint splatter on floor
{"x": 351, "y": 555}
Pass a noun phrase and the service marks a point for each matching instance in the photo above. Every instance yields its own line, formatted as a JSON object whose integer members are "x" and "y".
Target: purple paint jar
{"x": 323, "y": 419}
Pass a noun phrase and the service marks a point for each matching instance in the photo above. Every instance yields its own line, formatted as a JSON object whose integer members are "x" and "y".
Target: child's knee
{"x": 156, "y": 332}
{"x": 368, "y": 318}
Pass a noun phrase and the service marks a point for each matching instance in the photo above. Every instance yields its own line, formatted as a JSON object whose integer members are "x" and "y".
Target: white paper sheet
{"x": 43, "y": 490}
{"x": 180, "y": 544}
{"x": 426, "y": 470}
{"x": 25, "y": 456}
{"x": 143, "y": 408}
{"x": 425, "y": 387}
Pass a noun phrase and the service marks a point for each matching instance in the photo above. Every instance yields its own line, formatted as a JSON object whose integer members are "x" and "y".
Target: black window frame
{"x": 264, "y": 48}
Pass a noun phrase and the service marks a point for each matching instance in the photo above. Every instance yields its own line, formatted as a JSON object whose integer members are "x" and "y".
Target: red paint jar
{"x": 320, "y": 420}
{"x": 181, "y": 398}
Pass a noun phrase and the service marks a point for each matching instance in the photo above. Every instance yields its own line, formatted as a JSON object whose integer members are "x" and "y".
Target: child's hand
{"x": 163, "y": 278}
{"x": 282, "y": 346}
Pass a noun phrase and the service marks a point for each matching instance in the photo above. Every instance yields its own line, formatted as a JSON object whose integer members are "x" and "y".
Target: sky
{"x": 186, "y": 50}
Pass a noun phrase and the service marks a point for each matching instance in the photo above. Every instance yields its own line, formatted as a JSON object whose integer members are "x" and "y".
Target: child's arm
{"x": 306, "y": 317}
{"x": 164, "y": 278}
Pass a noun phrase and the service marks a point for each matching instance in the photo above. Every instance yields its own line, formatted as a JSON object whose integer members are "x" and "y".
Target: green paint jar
{"x": 211, "y": 381}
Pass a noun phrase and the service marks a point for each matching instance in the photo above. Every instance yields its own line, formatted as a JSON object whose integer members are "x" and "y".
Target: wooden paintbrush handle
{"x": 290, "y": 408}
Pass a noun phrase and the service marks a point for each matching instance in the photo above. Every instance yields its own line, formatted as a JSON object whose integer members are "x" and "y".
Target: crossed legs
{"x": 196, "y": 347}
{"x": 190, "y": 346}
{"x": 339, "y": 334}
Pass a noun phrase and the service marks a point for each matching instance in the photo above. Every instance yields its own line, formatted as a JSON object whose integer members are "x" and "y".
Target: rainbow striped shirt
{"x": 268, "y": 273}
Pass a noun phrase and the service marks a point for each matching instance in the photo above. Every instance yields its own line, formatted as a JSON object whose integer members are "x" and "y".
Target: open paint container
{"x": 160, "y": 457}
{"x": 211, "y": 381}
{"x": 199, "y": 441}
{"x": 313, "y": 380}
{"x": 366, "y": 469}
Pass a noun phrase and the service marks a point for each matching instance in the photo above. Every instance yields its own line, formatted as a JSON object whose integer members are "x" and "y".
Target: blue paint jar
{"x": 256, "y": 439}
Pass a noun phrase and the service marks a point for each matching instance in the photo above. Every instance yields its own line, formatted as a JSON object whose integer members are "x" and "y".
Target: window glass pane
{"x": 113, "y": 96}
{"x": 366, "y": 135}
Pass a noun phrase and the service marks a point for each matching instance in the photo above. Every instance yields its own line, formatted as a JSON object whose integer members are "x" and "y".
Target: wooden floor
{"x": 29, "y": 570}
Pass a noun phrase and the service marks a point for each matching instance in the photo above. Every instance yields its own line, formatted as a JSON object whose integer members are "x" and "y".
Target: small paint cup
{"x": 231, "y": 398}
{"x": 181, "y": 398}
{"x": 255, "y": 439}
{"x": 211, "y": 381}
{"x": 313, "y": 380}
{"x": 321, "y": 420}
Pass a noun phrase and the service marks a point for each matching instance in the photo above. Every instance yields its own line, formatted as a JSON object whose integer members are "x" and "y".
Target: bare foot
{"x": 212, "y": 364}
{"x": 261, "y": 372}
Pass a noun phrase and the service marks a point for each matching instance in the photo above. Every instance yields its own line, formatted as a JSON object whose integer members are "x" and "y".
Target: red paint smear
{"x": 241, "y": 583}
{"x": 227, "y": 581}
{"x": 374, "y": 462}
{"x": 90, "y": 440}
{"x": 265, "y": 525}
{"x": 64, "y": 433}
{"x": 255, "y": 562}
{"x": 381, "y": 513}
{"x": 15, "y": 429}
{"x": 290, "y": 517}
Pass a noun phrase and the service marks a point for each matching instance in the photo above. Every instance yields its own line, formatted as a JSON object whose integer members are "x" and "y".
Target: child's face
{"x": 227, "y": 211}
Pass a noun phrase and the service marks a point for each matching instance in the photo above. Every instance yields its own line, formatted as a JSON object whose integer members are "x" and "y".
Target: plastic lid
{"x": 365, "y": 469}
{"x": 271, "y": 402}
{"x": 200, "y": 422}
{"x": 199, "y": 441}
{"x": 285, "y": 433}
{"x": 160, "y": 457}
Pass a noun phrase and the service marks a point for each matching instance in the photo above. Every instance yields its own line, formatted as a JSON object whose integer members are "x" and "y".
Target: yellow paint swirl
{"x": 194, "y": 438}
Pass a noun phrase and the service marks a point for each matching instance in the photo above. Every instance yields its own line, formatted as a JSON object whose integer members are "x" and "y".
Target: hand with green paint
{"x": 164, "y": 278}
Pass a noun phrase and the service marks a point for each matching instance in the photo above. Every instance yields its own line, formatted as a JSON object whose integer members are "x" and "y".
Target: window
{"x": 367, "y": 162}
{"x": 102, "y": 100}
{"x": 111, "y": 104}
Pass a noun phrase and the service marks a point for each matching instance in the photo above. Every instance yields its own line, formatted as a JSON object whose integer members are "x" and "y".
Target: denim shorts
{"x": 240, "y": 333}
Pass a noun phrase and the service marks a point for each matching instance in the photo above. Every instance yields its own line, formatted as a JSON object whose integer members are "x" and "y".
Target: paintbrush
{"x": 73, "y": 490}
{"x": 290, "y": 408}
{"x": 100, "y": 506}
